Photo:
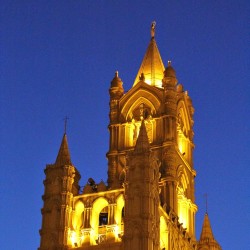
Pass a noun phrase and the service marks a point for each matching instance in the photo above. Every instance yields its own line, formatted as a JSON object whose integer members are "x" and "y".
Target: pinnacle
{"x": 206, "y": 229}
{"x": 207, "y": 236}
{"x": 142, "y": 143}
{"x": 116, "y": 82}
{"x": 63, "y": 157}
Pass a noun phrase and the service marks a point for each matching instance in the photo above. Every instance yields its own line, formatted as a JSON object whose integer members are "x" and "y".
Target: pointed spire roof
{"x": 207, "y": 237}
{"x": 206, "y": 232}
{"x": 152, "y": 66}
{"x": 142, "y": 143}
{"x": 63, "y": 157}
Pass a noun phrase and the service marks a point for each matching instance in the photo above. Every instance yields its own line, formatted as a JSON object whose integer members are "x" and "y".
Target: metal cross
{"x": 206, "y": 200}
{"x": 65, "y": 124}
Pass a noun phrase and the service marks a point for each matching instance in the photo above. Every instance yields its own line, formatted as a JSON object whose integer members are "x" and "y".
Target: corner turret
{"x": 169, "y": 80}
{"x": 116, "y": 89}
{"x": 61, "y": 185}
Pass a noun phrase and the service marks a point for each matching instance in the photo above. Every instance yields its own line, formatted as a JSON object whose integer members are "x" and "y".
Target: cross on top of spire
{"x": 206, "y": 201}
{"x": 65, "y": 124}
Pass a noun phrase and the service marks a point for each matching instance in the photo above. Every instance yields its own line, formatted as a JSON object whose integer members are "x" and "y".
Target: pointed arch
{"x": 141, "y": 102}
{"x": 184, "y": 121}
{"x": 141, "y": 96}
{"x": 184, "y": 131}
{"x": 119, "y": 213}
{"x": 183, "y": 179}
{"x": 98, "y": 206}
{"x": 183, "y": 114}
{"x": 77, "y": 217}
{"x": 183, "y": 201}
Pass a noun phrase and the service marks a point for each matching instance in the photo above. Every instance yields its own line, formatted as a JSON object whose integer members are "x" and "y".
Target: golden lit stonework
{"x": 148, "y": 202}
{"x": 152, "y": 66}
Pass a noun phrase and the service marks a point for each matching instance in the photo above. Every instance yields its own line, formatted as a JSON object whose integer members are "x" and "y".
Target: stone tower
{"x": 148, "y": 202}
{"x": 167, "y": 111}
{"x": 61, "y": 184}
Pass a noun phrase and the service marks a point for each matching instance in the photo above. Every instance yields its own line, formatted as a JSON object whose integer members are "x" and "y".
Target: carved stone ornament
{"x": 170, "y": 171}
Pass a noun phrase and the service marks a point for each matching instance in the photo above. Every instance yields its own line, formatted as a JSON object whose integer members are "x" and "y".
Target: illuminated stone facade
{"x": 148, "y": 202}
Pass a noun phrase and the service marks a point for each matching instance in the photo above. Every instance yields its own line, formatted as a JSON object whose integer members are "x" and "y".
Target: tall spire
{"x": 152, "y": 66}
{"x": 63, "y": 157}
{"x": 142, "y": 143}
{"x": 207, "y": 237}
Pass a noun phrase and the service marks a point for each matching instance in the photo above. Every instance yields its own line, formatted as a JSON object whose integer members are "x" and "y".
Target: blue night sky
{"x": 57, "y": 58}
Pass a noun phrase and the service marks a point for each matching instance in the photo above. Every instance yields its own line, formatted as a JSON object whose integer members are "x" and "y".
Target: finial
{"x": 116, "y": 73}
{"x": 65, "y": 124}
{"x": 153, "y": 29}
{"x": 169, "y": 63}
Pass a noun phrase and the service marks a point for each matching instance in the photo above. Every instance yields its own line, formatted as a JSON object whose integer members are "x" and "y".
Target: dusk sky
{"x": 57, "y": 59}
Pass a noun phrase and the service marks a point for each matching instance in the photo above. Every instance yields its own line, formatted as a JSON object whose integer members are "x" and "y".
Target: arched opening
{"x": 123, "y": 214}
{"x": 119, "y": 215}
{"x": 141, "y": 109}
{"x": 183, "y": 201}
{"x": 77, "y": 215}
{"x": 149, "y": 99}
{"x": 75, "y": 236}
{"x": 99, "y": 216}
{"x": 184, "y": 132}
{"x": 103, "y": 217}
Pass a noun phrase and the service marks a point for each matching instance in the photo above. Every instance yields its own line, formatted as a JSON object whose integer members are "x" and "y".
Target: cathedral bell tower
{"x": 167, "y": 111}
{"x": 148, "y": 202}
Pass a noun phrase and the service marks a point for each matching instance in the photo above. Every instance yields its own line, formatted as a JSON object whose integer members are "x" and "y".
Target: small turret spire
{"x": 207, "y": 237}
{"x": 142, "y": 143}
{"x": 206, "y": 229}
{"x": 63, "y": 157}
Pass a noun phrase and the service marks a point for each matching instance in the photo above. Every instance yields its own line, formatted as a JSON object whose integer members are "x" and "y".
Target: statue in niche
{"x": 142, "y": 111}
